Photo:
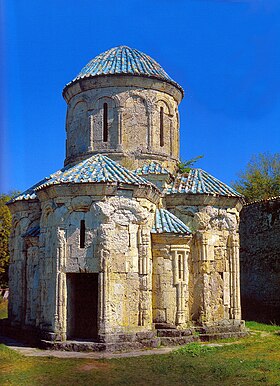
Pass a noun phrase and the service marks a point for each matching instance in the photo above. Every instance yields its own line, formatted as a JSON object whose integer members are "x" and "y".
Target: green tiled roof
{"x": 123, "y": 60}
{"x": 166, "y": 222}
{"x": 96, "y": 169}
{"x": 197, "y": 181}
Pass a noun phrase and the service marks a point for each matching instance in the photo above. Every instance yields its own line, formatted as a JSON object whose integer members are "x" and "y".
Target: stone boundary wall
{"x": 260, "y": 261}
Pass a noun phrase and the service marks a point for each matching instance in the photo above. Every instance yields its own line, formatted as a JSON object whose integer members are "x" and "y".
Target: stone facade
{"x": 259, "y": 260}
{"x": 214, "y": 273}
{"x": 132, "y": 102}
{"x": 102, "y": 252}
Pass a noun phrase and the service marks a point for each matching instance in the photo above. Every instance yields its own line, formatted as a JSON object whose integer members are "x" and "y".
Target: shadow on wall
{"x": 260, "y": 261}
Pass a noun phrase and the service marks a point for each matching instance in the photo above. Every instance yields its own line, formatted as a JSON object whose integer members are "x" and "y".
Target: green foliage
{"x": 5, "y": 228}
{"x": 185, "y": 166}
{"x": 261, "y": 178}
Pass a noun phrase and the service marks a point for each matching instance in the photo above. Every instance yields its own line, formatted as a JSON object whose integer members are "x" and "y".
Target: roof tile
{"x": 151, "y": 168}
{"x": 124, "y": 60}
{"x": 197, "y": 181}
{"x": 166, "y": 222}
{"x": 96, "y": 169}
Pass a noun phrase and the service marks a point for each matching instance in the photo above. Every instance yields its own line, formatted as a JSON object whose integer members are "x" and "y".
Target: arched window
{"x": 161, "y": 133}
{"x": 105, "y": 122}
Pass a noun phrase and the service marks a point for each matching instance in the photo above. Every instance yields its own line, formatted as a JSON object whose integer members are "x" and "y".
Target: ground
{"x": 251, "y": 361}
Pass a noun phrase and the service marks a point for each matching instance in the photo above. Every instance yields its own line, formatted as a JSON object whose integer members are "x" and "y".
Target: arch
{"x": 146, "y": 101}
{"x": 94, "y": 102}
{"x": 16, "y": 220}
{"x": 77, "y": 128}
{"x": 165, "y": 104}
{"x": 78, "y": 106}
{"x": 162, "y": 126}
{"x": 104, "y": 123}
{"x": 136, "y": 123}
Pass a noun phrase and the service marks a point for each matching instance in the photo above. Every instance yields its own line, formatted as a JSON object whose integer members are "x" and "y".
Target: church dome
{"x": 123, "y": 60}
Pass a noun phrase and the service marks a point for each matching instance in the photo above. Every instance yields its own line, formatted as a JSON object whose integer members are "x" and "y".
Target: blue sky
{"x": 224, "y": 53}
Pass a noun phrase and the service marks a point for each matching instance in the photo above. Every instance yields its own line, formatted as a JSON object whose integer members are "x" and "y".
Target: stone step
{"x": 223, "y": 335}
{"x": 219, "y": 329}
{"x": 179, "y": 340}
{"x": 86, "y": 346}
{"x": 174, "y": 333}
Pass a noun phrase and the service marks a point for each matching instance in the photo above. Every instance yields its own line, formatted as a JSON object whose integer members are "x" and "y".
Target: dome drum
{"x": 123, "y": 80}
{"x": 140, "y": 123}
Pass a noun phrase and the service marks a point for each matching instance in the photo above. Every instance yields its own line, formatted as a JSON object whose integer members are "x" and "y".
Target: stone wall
{"x": 171, "y": 266}
{"x": 133, "y": 122}
{"x": 117, "y": 250}
{"x": 24, "y": 262}
{"x": 260, "y": 261}
{"x": 214, "y": 292}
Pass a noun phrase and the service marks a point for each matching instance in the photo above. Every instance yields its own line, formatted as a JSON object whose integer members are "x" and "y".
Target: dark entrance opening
{"x": 82, "y": 305}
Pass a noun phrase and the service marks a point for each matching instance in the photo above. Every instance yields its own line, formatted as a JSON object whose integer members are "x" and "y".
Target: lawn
{"x": 250, "y": 361}
{"x": 3, "y": 308}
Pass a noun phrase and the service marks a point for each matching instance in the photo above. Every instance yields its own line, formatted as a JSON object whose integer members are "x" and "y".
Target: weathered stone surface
{"x": 259, "y": 260}
{"x": 128, "y": 107}
{"x": 95, "y": 271}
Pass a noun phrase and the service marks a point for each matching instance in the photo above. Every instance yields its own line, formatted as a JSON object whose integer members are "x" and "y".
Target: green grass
{"x": 3, "y": 308}
{"x": 194, "y": 349}
{"x": 255, "y": 326}
{"x": 250, "y": 361}
{"x": 254, "y": 360}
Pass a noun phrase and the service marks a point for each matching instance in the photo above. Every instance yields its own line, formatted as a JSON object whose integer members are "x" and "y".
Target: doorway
{"x": 82, "y": 305}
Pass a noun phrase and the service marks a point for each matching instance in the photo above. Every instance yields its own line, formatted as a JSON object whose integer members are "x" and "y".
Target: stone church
{"x": 118, "y": 246}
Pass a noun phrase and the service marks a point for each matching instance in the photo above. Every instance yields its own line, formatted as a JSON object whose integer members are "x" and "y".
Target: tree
{"x": 5, "y": 228}
{"x": 261, "y": 178}
{"x": 185, "y": 166}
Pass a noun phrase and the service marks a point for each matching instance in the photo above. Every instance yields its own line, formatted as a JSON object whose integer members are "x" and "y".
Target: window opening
{"x": 105, "y": 122}
{"x": 82, "y": 234}
{"x": 161, "y": 127}
{"x": 180, "y": 266}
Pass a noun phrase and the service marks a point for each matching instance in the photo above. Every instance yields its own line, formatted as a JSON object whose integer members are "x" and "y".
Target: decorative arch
{"x": 103, "y": 122}
{"x": 47, "y": 209}
{"x": 136, "y": 122}
{"x": 77, "y": 128}
{"x": 162, "y": 126}
{"x": 163, "y": 102}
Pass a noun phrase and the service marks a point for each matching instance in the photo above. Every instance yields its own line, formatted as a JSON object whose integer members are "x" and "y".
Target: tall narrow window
{"x": 82, "y": 233}
{"x": 105, "y": 122}
{"x": 180, "y": 267}
{"x": 161, "y": 127}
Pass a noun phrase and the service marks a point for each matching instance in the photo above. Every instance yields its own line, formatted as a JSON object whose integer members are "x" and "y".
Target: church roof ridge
{"x": 95, "y": 169}
{"x": 167, "y": 222}
{"x": 198, "y": 181}
{"x": 123, "y": 60}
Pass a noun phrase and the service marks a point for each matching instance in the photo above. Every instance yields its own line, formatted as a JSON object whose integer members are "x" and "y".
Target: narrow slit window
{"x": 105, "y": 122}
{"x": 82, "y": 234}
{"x": 161, "y": 133}
{"x": 180, "y": 267}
